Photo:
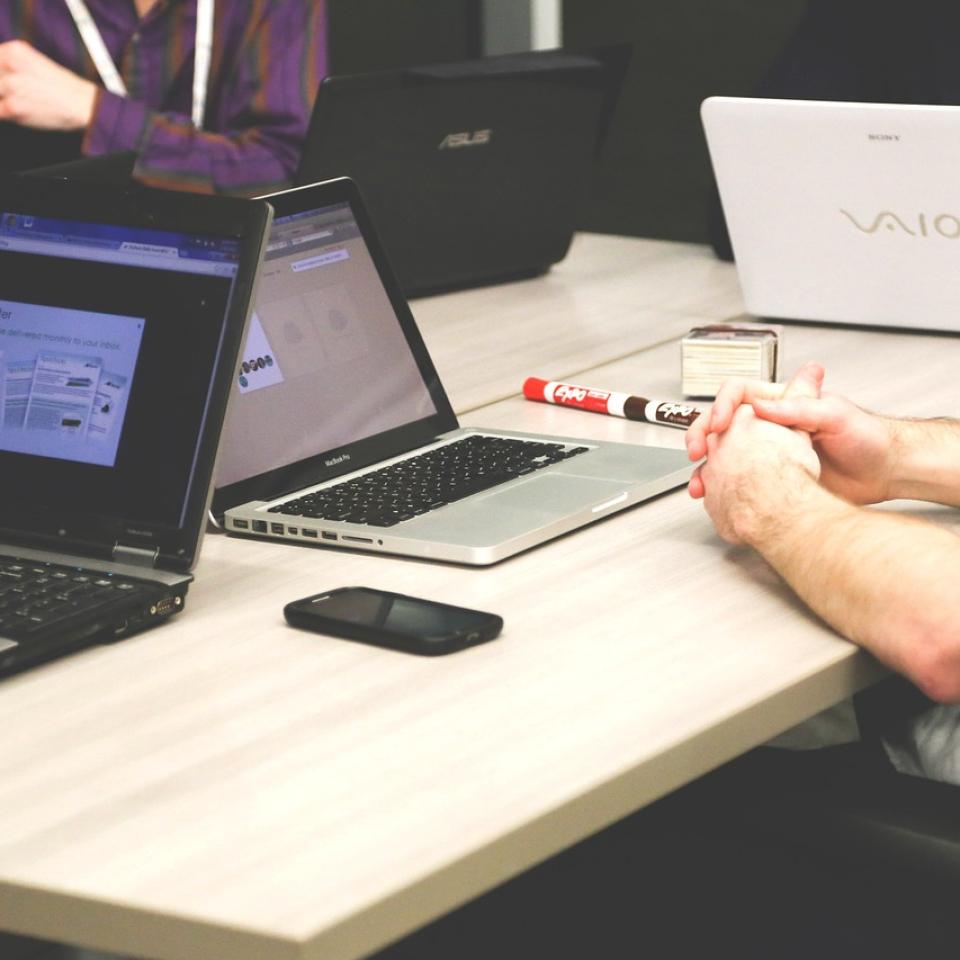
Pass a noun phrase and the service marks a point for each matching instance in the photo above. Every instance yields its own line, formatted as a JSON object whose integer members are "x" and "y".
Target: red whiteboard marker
{"x": 666, "y": 412}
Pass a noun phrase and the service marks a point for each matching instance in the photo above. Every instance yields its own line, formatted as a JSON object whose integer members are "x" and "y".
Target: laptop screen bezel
{"x": 175, "y": 545}
{"x": 369, "y": 450}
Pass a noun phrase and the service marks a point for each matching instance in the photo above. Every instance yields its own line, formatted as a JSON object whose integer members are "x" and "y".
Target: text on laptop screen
{"x": 326, "y": 362}
{"x": 96, "y": 322}
{"x": 65, "y": 379}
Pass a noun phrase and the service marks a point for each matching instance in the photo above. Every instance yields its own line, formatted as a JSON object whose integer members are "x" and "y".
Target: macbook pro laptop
{"x": 122, "y": 312}
{"x": 473, "y": 171}
{"x": 339, "y": 430}
{"x": 841, "y": 212}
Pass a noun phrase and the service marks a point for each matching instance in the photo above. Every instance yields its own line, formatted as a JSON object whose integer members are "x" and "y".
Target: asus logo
{"x": 333, "y": 461}
{"x": 944, "y": 224}
{"x": 476, "y": 139}
{"x": 884, "y": 136}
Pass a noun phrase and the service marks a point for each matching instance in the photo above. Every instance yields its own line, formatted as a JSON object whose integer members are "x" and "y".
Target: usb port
{"x": 260, "y": 526}
{"x": 241, "y": 525}
{"x": 328, "y": 535}
{"x": 276, "y": 528}
{"x": 309, "y": 533}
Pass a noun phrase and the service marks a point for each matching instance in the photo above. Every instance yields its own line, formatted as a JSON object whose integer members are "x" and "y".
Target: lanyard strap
{"x": 202, "y": 49}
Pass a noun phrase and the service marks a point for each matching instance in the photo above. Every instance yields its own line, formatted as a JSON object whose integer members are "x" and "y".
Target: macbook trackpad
{"x": 500, "y": 515}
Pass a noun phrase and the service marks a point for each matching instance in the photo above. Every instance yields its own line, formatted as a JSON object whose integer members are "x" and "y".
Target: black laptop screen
{"x": 107, "y": 340}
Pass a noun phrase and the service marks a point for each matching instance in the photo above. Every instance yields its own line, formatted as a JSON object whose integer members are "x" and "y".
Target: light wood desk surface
{"x": 226, "y": 788}
{"x": 611, "y": 297}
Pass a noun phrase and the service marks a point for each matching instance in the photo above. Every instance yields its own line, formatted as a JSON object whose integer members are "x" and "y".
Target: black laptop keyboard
{"x": 426, "y": 482}
{"x": 38, "y": 597}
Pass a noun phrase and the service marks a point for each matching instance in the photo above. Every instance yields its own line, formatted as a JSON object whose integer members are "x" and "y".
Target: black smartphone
{"x": 393, "y": 620}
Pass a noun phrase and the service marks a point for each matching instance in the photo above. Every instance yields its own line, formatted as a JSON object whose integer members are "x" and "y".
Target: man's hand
{"x": 733, "y": 395}
{"x": 857, "y": 449}
{"x": 751, "y": 468}
{"x": 37, "y": 92}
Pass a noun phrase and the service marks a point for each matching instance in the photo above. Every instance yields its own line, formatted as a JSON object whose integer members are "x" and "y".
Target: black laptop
{"x": 474, "y": 172}
{"x": 114, "y": 168}
{"x": 23, "y": 148}
{"x": 122, "y": 312}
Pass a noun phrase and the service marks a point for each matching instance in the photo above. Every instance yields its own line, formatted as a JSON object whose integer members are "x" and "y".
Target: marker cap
{"x": 534, "y": 388}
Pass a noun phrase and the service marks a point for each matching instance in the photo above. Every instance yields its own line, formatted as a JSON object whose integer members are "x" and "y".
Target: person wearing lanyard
{"x": 212, "y": 95}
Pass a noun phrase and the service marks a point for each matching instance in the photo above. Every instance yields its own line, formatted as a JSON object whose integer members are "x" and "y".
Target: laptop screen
{"x": 327, "y": 363}
{"x": 108, "y": 336}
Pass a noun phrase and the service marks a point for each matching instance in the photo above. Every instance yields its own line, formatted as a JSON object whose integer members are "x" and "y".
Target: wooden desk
{"x": 610, "y": 298}
{"x": 226, "y": 788}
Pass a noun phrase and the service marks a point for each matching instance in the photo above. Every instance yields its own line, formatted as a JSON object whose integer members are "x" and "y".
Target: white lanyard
{"x": 203, "y": 45}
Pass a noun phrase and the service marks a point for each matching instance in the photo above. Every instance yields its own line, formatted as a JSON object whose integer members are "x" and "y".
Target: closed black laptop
{"x": 474, "y": 171}
{"x": 121, "y": 315}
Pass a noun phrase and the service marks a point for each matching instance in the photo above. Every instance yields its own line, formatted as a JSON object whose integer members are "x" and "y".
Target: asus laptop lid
{"x": 841, "y": 212}
{"x": 473, "y": 171}
{"x": 340, "y": 432}
{"x": 121, "y": 315}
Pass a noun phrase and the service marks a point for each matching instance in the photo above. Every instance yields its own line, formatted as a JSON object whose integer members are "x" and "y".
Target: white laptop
{"x": 841, "y": 212}
{"x": 340, "y": 433}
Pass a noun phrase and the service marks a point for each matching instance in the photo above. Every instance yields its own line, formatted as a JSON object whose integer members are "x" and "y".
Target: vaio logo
{"x": 943, "y": 224}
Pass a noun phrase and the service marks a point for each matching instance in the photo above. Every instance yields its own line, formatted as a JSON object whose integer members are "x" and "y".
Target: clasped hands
{"x": 764, "y": 442}
{"x": 35, "y": 91}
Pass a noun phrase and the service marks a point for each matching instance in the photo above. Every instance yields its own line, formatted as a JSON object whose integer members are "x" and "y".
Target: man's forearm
{"x": 927, "y": 460}
{"x": 885, "y": 581}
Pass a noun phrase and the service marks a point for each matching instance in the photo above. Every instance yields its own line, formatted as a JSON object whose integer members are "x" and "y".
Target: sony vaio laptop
{"x": 340, "y": 432}
{"x": 473, "y": 171}
{"x": 843, "y": 212}
{"x": 121, "y": 316}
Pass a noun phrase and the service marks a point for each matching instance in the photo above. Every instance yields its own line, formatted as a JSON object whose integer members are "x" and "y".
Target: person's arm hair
{"x": 885, "y": 581}
{"x": 926, "y": 460}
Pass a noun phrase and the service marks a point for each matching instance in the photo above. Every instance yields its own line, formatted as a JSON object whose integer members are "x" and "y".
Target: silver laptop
{"x": 842, "y": 212}
{"x": 340, "y": 433}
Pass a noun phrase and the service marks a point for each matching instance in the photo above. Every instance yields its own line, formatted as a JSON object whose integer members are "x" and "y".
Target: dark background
{"x": 654, "y": 176}
{"x": 386, "y": 34}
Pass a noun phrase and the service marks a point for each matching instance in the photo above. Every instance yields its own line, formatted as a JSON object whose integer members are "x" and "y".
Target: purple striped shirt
{"x": 268, "y": 59}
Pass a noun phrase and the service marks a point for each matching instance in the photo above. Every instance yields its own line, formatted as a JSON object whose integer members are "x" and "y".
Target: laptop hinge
{"x": 136, "y": 556}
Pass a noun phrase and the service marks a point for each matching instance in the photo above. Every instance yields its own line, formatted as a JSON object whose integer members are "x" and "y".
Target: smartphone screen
{"x": 394, "y": 620}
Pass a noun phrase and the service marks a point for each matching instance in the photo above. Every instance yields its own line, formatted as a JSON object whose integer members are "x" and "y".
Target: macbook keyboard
{"x": 36, "y": 597}
{"x": 428, "y": 481}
